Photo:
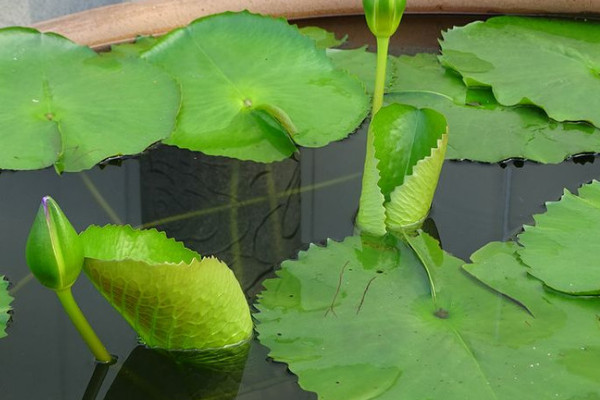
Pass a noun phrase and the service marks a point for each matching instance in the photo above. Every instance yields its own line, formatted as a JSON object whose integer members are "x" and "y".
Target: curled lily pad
{"x": 552, "y": 63}
{"x": 5, "y": 300}
{"x": 561, "y": 249}
{"x": 173, "y": 298}
{"x": 410, "y": 145}
{"x": 65, "y": 105}
{"x": 357, "y": 320}
{"x": 255, "y": 87}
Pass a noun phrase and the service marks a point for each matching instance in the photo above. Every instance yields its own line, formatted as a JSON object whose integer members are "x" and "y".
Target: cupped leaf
{"x": 172, "y": 298}
{"x": 323, "y": 38}
{"x": 552, "y": 63}
{"x": 254, "y": 87}
{"x": 410, "y": 145}
{"x": 65, "y": 105}
{"x": 54, "y": 251}
{"x": 5, "y": 300}
{"x": 483, "y": 130}
{"x": 561, "y": 249}
{"x": 356, "y": 320}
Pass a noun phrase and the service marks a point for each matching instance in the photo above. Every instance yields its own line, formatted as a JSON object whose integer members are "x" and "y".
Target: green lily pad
{"x": 173, "y": 298}
{"x": 255, "y": 87}
{"x": 361, "y": 64}
{"x": 552, "y": 63}
{"x": 5, "y": 300}
{"x": 357, "y": 320}
{"x": 65, "y": 105}
{"x": 481, "y": 129}
{"x": 561, "y": 249}
{"x": 568, "y": 357}
{"x": 323, "y": 38}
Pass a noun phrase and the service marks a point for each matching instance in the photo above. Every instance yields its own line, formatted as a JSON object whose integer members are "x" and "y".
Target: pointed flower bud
{"x": 383, "y": 16}
{"x": 54, "y": 251}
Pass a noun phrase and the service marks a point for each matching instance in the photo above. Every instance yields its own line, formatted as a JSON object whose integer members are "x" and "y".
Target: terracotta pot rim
{"x": 123, "y": 22}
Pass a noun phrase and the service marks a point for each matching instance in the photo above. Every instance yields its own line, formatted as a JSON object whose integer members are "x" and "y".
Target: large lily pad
{"x": 65, "y": 105}
{"x": 255, "y": 87}
{"x": 552, "y": 63}
{"x": 481, "y": 129}
{"x": 5, "y": 300}
{"x": 357, "y": 320}
{"x": 562, "y": 248}
{"x": 172, "y": 297}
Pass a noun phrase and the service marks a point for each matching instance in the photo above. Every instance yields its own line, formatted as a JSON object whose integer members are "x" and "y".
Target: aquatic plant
{"x": 171, "y": 296}
{"x": 54, "y": 254}
{"x": 394, "y": 316}
{"x": 67, "y": 106}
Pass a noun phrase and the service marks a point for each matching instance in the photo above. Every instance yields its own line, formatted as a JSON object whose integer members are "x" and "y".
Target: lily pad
{"x": 568, "y": 357}
{"x": 254, "y": 87}
{"x": 481, "y": 129}
{"x": 5, "y": 300}
{"x": 357, "y": 320}
{"x": 65, "y": 105}
{"x": 173, "y": 298}
{"x": 552, "y": 63}
{"x": 561, "y": 249}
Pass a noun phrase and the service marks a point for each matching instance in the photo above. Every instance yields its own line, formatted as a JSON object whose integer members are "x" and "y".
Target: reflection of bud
{"x": 54, "y": 252}
{"x": 383, "y": 16}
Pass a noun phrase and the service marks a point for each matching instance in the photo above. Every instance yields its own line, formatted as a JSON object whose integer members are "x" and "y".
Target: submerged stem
{"x": 83, "y": 327}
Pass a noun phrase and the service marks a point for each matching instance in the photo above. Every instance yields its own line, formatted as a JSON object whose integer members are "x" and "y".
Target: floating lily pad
{"x": 481, "y": 129}
{"x": 567, "y": 359}
{"x": 65, "y": 105}
{"x": 356, "y": 320}
{"x": 255, "y": 87}
{"x": 552, "y": 63}
{"x": 173, "y": 298}
{"x": 5, "y": 300}
{"x": 562, "y": 248}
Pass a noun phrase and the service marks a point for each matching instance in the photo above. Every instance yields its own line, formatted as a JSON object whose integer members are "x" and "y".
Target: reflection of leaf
{"x": 154, "y": 374}
{"x": 323, "y": 39}
{"x": 171, "y": 297}
{"x": 5, "y": 300}
{"x": 562, "y": 248}
{"x": 551, "y": 63}
{"x": 481, "y": 129}
{"x": 352, "y": 326}
{"x": 67, "y": 106}
{"x": 238, "y": 64}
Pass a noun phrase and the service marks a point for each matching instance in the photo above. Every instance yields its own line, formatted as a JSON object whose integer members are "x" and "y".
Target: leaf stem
{"x": 423, "y": 259}
{"x": 83, "y": 327}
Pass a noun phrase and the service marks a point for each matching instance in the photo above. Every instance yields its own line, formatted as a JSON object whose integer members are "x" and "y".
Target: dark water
{"x": 252, "y": 216}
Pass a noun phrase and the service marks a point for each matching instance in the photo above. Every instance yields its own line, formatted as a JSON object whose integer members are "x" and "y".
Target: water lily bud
{"x": 383, "y": 16}
{"x": 54, "y": 251}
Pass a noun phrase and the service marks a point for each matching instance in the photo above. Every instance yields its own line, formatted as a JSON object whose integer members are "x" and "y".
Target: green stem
{"x": 382, "y": 53}
{"x": 371, "y": 214}
{"x": 85, "y": 330}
